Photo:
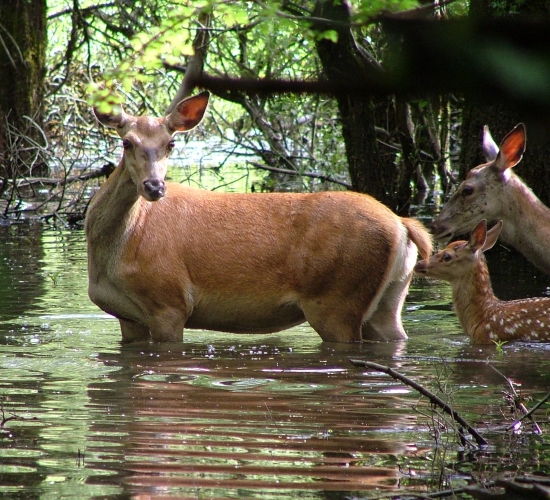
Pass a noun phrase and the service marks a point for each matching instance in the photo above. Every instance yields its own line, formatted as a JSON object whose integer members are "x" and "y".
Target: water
{"x": 244, "y": 416}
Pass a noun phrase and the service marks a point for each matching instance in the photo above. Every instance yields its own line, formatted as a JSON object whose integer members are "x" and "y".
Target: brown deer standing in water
{"x": 162, "y": 257}
{"x": 482, "y": 316}
{"x": 492, "y": 191}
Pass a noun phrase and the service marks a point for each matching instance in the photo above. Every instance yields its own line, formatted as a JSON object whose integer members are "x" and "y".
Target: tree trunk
{"x": 501, "y": 117}
{"x": 22, "y": 69}
{"x": 372, "y": 170}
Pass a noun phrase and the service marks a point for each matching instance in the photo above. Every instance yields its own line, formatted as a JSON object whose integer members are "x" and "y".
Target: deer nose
{"x": 420, "y": 267}
{"x": 439, "y": 230}
{"x": 154, "y": 189}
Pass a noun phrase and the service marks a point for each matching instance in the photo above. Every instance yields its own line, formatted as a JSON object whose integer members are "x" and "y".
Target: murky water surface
{"x": 235, "y": 416}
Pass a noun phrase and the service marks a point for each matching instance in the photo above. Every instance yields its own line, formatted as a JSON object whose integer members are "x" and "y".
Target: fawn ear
{"x": 511, "y": 148}
{"x": 478, "y": 236}
{"x": 492, "y": 236}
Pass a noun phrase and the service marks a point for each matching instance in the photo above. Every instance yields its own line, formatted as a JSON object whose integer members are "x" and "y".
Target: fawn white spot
{"x": 509, "y": 331}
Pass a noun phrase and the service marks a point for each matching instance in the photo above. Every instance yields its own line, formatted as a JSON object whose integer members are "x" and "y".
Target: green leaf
{"x": 331, "y": 35}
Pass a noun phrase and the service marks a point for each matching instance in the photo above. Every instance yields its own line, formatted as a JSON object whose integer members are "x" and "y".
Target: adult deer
{"x": 162, "y": 257}
{"x": 482, "y": 316}
{"x": 492, "y": 191}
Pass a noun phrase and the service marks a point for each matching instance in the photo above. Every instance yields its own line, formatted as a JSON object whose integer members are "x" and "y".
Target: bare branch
{"x": 530, "y": 412}
{"x": 480, "y": 440}
{"x": 196, "y": 62}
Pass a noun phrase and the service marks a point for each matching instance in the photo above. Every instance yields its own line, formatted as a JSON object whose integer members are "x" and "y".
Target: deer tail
{"x": 419, "y": 236}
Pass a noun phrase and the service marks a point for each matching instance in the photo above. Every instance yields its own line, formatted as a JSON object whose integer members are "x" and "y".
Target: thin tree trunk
{"x": 370, "y": 170}
{"x": 23, "y": 38}
{"x": 195, "y": 64}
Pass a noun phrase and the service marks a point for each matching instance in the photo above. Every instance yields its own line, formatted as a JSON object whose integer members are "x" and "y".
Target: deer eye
{"x": 447, "y": 257}
{"x": 126, "y": 144}
{"x": 467, "y": 191}
{"x": 171, "y": 145}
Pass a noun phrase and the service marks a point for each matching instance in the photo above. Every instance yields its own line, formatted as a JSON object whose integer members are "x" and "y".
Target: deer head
{"x": 481, "y": 193}
{"x": 148, "y": 141}
{"x": 454, "y": 261}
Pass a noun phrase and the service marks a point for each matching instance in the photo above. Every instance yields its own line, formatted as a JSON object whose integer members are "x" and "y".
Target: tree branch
{"x": 530, "y": 412}
{"x": 196, "y": 61}
{"x": 480, "y": 440}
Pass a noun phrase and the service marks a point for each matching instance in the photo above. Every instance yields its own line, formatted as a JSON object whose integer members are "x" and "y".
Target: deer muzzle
{"x": 154, "y": 189}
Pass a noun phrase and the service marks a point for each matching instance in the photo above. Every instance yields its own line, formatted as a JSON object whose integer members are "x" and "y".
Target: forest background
{"x": 383, "y": 97}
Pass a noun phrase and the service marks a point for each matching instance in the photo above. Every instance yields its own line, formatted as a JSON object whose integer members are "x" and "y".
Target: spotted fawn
{"x": 483, "y": 316}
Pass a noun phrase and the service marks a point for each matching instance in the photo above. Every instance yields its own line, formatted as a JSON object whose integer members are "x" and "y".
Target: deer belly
{"x": 245, "y": 316}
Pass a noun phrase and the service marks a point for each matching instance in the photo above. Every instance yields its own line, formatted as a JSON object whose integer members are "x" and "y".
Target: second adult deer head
{"x": 492, "y": 191}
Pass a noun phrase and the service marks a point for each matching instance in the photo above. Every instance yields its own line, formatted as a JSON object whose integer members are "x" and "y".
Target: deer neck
{"x": 474, "y": 300}
{"x": 113, "y": 210}
{"x": 528, "y": 226}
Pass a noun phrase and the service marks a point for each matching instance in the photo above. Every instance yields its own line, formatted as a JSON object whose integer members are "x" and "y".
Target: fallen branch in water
{"x": 480, "y": 440}
{"x": 4, "y": 419}
{"x": 512, "y": 490}
{"x": 530, "y": 412}
{"x": 515, "y": 401}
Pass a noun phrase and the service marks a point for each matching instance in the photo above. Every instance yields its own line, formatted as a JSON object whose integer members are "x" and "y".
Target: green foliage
{"x": 331, "y": 35}
{"x": 130, "y": 46}
{"x": 365, "y": 10}
{"x": 275, "y": 32}
{"x": 506, "y": 7}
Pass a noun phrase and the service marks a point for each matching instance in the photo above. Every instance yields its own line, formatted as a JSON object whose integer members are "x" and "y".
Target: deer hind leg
{"x": 385, "y": 321}
{"x": 133, "y": 332}
{"x": 334, "y": 322}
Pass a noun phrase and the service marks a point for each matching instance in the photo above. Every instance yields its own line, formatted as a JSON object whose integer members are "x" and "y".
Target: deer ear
{"x": 478, "y": 236}
{"x": 511, "y": 148}
{"x": 188, "y": 113}
{"x": 489, "y": 146}
{"x": 115, "y": 119}
{"x": 492, "y": 236}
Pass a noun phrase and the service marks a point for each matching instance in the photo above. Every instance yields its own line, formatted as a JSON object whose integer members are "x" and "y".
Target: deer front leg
{"x": 167, "y": 325}
{"x": 133, "y": 332}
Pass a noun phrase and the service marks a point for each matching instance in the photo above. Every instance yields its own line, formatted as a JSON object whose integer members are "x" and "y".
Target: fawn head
{"x": 148, "y": 141}
{"x": 459, "y": 256}
{"x": 482, "y": 193}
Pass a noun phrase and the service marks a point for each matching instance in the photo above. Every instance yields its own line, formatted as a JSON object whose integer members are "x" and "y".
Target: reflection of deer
{"x": 162, "y": 257}
{"x": 482, "y": 316}
{"x": 492, "y": 191}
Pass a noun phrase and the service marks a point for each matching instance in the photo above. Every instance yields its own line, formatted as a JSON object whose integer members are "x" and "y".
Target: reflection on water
{"x": 231, "y": 416}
